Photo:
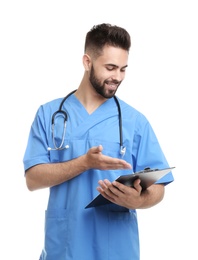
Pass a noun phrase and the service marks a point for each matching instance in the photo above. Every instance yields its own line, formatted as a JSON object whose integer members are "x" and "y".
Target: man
{"x": 72, "y": 161}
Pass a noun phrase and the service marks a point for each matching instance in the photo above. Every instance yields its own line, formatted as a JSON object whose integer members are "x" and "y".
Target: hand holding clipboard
{"x": 147, "y": 176}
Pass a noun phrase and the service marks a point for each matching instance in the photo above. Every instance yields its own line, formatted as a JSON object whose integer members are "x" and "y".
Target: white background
{"x": 41, "y": 50}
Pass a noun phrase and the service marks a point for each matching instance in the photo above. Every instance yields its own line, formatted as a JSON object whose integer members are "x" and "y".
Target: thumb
{"x": 99, "y": 148}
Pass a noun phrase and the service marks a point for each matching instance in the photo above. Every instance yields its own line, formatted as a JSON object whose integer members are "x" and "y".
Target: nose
{"x": 118, "y": 75}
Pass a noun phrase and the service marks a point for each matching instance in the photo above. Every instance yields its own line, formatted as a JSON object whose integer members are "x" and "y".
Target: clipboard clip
{"x": 148, "y": 169}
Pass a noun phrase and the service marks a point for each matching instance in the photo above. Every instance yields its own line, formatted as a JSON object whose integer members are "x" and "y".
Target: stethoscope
{"x": 64, "y": 113}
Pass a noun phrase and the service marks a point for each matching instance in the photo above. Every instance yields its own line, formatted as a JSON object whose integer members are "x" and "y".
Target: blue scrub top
{"x": 108, "y": 232}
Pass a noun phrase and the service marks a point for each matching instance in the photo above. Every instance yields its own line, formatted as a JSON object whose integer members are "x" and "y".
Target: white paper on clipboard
{"x": 147, "y": 176}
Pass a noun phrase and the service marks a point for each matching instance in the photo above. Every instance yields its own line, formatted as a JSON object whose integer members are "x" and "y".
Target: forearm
{"x": 51, "y": 174}
{"x": 151, "y": 196}
{"x": 48, "y": 175}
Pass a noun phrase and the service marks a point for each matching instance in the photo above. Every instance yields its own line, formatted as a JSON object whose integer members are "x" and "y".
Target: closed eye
{"x": 114, "y": 67}
{"x": 111, "y": 67}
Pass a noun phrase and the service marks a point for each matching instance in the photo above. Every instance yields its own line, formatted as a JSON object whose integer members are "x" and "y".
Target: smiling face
{"x": 108, "y": 71}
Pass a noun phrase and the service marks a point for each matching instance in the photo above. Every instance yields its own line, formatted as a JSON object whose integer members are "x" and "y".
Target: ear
{"x": 87, "y": 62}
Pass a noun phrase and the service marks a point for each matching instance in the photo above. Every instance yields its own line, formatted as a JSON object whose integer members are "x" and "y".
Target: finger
{"x": 137, "y": 185}
{"x": 110, "y": 189}
{"x": 118, "y": 164}
{"x": 96, "y": 149}
{"x": 99, "y": 148}
{"x": 120, "y": 187}
{"x": 104, "y": 186}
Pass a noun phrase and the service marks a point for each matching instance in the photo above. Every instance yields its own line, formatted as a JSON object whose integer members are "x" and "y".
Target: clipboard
{"x": 147, "y": 176}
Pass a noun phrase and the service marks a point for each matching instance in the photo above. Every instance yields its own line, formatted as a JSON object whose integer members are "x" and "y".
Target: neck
{"x": 88, "y": 97}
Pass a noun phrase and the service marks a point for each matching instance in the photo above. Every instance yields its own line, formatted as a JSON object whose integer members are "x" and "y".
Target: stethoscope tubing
{"x": 61, "y": 111}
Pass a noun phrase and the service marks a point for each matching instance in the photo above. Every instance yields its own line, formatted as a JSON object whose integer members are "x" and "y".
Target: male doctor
{"x": 83, "y": 160}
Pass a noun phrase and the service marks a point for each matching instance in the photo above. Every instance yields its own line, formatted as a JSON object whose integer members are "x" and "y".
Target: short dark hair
{"x": 106, "y": 34}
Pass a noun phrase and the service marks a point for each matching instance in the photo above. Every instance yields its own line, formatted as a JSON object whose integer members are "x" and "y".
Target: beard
{"x": 100, "y": 86}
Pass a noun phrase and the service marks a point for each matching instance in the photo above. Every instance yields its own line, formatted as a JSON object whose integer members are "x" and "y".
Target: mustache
{"x": 116, "y": 82}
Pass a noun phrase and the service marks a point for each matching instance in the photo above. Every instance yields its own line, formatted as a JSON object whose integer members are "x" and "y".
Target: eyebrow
{"x": 113, "y": 65}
